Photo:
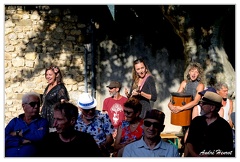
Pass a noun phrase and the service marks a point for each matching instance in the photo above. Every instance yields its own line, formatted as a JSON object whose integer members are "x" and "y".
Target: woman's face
{"x": 50, "y": 76}
{"x": 193, "y": 73}
{"x": 129, "y": 114}
{"x": 140, "y": 70}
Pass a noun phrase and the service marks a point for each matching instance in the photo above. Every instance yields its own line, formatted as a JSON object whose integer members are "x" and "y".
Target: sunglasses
{"x": 87, "y": 110}
{"x": 148, "y": 124}
{"x": 33, "y": 104}
{"x": 127, "y": 112}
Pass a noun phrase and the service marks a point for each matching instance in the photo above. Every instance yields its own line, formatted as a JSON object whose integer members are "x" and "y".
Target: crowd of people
{"x": 125, "y": 126}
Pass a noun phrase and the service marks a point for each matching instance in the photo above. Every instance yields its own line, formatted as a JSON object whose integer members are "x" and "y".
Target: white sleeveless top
{"x": 226, "y": 110}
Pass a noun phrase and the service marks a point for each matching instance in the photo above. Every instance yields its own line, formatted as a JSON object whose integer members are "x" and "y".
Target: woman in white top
{"x": 222, "y": 90}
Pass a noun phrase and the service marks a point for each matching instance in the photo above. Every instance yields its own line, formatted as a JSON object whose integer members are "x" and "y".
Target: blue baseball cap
{"x": 210, "y": 89}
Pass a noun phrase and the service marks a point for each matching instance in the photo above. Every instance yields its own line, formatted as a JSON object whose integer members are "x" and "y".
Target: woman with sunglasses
{"x": 143, "y": 86}
{"x": 130, "y": 129}
{"x": 54, "y": 92}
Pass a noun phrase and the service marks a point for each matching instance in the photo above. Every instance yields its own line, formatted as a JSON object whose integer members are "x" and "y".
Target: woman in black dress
{"x": 54, "y": 92}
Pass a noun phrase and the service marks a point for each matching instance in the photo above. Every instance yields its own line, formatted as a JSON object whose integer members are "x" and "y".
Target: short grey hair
{"x": 26, "y": 96}
{"x": 218, "y": 86}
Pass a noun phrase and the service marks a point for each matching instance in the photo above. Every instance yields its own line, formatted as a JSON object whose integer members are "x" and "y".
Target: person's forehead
{"x": 140, "y": 64}
{"x": 50, "y": 71}
{"x": 59, "y": 113}
{"x": 224, "y": 88}
{"x": 194, "y": 69}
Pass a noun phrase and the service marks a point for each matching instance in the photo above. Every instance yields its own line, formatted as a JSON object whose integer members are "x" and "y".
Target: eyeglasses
{"x": 33, "y": 104}
{"x": 148, "y": 124}
{"x": 127, "y": 112}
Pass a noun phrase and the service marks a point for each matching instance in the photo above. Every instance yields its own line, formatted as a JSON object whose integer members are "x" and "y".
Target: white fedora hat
{"x": 86, "y": 101}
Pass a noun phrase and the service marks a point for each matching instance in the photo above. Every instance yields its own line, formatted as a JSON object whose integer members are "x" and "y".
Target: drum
{"x": 184, "y": 117}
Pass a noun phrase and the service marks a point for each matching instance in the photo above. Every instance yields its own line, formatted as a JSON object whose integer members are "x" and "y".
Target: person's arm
{"x": 221, "y": 112}
{"x": 191, "y": 104}
{"x": 63, "y": 95}
{"x": 127, "y": 94}
{"x": 104, "y": 108}
{"x": 191, "y": 150}
{"x": 109, "y": 138}
{"x": 230, "y": 112}
{"x": 182, "y": 86}
{"x": 195, "y": 112}
{"x": 109, "y": 141}
{"x": 36, "y": 131}
{"x": 117, "y": 145}
{"x": 11, "y": 137}
{"x": 180, "y": 89}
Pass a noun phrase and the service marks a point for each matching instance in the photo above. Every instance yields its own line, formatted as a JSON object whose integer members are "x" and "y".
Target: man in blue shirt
{"x": 151, "y": 144}
{"x": 24, "y": 133}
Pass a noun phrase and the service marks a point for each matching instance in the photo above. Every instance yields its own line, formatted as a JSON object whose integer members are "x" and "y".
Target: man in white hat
{"x": 210, "y": 135}
{"x": 95, "y": 122}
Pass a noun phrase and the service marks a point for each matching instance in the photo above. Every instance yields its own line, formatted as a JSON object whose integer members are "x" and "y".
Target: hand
{"x": 126, "y": 91}
{"x": 26, "y": 141}
{"x": 176, "y": 109}
{"x": 63, "y": 100}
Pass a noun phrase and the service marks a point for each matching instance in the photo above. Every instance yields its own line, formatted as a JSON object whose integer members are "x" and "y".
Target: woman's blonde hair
{"x": 198, "y": 66}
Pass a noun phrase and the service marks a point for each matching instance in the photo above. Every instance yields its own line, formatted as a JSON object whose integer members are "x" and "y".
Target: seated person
{"x": 131, "y": 128}
{"x": 24, "y": 134}
{"x": 197, "y": 109}
{"x": 209, "y": 134}
{"x": 95, "y": 122}
{"x": 151, "y": 144}
{"x": 66, "y": 141}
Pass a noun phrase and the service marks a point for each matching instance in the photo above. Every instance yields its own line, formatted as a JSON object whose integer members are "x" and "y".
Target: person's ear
{"x": 161, "y": 128}
{"x": 80, "y": 109}
{"x": 73, "y": 121}
{"x": 138, "y": 113}
{"x": 117, "y": 89}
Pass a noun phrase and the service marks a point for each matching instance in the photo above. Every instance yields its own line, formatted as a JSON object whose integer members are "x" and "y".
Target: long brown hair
{"x": 135, "y": 76}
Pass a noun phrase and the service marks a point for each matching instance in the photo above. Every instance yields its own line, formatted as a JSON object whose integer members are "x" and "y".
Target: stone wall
{"x": 36, "y": 36}
{"x": 33, "y": 40}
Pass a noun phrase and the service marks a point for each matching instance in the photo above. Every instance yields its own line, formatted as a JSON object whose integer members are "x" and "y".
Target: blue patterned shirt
{"x": 99, "y": 127}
